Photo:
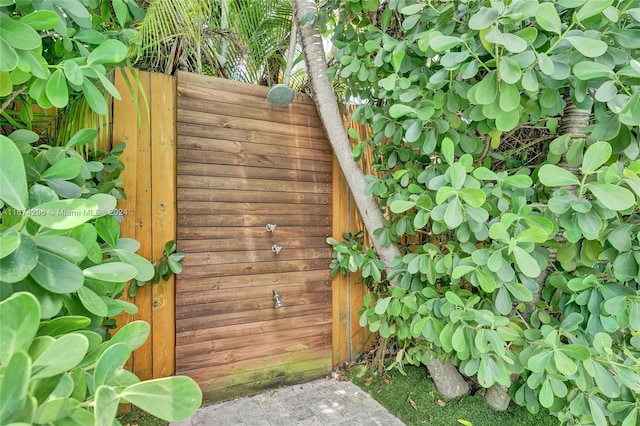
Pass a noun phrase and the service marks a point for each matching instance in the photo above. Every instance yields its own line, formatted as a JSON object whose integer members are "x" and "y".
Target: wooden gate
{"x": 244, "y": 164}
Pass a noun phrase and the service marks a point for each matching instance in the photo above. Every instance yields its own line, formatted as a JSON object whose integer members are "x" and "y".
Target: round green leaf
{"x": 508, "y": 120}
{"x": 67, "y": 169}
{"x": 589, "y": 70}
{"x": 13, "y": 178}
{"x": 41, "y": 20}
{"x": 171, "y": 398}
{"x": 64, "y": 214}
{"x": 400, "y": 206}
{"x": 18, "y": 34}
{"x": 20, "y": 262}
{"x": 8, "y": 56}
{"x": 57, "y": 274}
{"x": 19, "y": 321}
{"x": 66, "y": 247}
{"x": 57, "y": 90}
{"x": 612, "y": 196}
{"x": 443, "y": 43}
{"x": 552, "y": 175}
{"x": 483, "y": 18}
{"x": 595, "y": 156}
{"x": 106, "y": 401}
{"x": 73, "y": 72}
{"x": 14, "y": 385}
{"x": 548, "y": 19}
{"x": 63, "y": 355}
{"x": 510, "y": 71}
{"x": 509, "y": 99}
{"x": 116, "y": 272}
{"x": 589, "y": 47}
{"x": 94, "y": 98}
{"x": 108, "y": 52}
{"x": 400, "y": 110}
{"x": 9, "y": 242}
{"x": 111, "y": 360}
{"x": 526, "y": 263}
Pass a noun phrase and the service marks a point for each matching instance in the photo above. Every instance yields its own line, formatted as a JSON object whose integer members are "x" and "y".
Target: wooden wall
{"x": 253, "y": 176}
{"x": 243, "y": 164}
{"x": 149, "y": 181}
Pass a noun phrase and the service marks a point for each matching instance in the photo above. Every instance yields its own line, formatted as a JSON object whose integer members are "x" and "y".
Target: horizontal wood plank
{"x": 210, "y": 131}
{"x": 230, "y": 122}
{"x": 252, "y": 220}
{"x": 236, "y": 269}
{"x": 224, "y": 170}
{"x": 253, "y": 343}
{"x": 258, "y": 92}
{"x": 250, "y": 185}
{"x": 229, "y": 318}
{"x": 202, "y": 245}
{"x": 208, "y": 207}
{"x": 317, "y": 282}
{"x": 218, "y": 102}
{"x": 250, "y": 305}
{"x": 231, "y": 196}
{"x": 250, "y": 328}
{"x": 263, "y": 255}
{"x": 236, "y": 364}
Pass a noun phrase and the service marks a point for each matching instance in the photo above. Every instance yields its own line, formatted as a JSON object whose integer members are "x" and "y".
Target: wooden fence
{"x": 150, "y": 183}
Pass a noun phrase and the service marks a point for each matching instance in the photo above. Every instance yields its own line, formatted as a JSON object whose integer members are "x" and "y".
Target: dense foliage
{"x": 521, "y": 260}
{"x": 63, "y": 261}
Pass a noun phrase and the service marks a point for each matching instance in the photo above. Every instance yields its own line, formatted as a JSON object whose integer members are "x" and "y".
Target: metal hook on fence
{"x": 276, "y": 248}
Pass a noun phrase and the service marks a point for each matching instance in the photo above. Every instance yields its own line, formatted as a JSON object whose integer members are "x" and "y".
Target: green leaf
{"x": 382, "y": 305}
{"x": 93, "y": 302}
{"x": 108, "y": 229}
{"x": 587, "y": 46}
{"x": 109, "y": 362}
{"x": 483, "y": 18}
{"x": 171, "y": 398}
{"x": 628, "y": 38}
{"x": 64, "y": 214}
{"x": 599, "y": 419}
{"x": 592, "y": 8}
{"x": 54, "y": 409}
{"x": 552, "y": 175}
{"x": 457, "y": 175}
{"x": 548, "y": 19}
{"x": 595, "y": 156}
{"x": 94, "y": 98}
{"x": 66, "y": 169}
{"x": 9, "y": 242}
{"x": 16, "y": 266}
{"x": 453, "y": 216}
{"x": 116, "y": 272}
{"x": 144, "y": 268}
{"x": 612, "y": 196}
{"x": 448, "y": 150}
{"x": 485, "y": 281}
{"x": 19, "y": 321}
{"x": 122, "y": 11}
{"x": 13, "y": 178}
{"x": 508, "y": 120}
{"x": 576, "y": 351}
{"x": 546, "y": 394}
{"x": 526, "y": 263}
{"x": 64, "y": 354}
{"x": 400, "y": 110}
{"x": 108, "y": 52}
{"x": 65, "y": 247}
{"x": 8, "y": 56}
{"x": 532, "y": 235}
{"x": 589, "y": 70}
{"x": 472, "y": 196}
{"x": 564, "y": 364}
{"x": 106, "y": 401}
{"x": 73, "y": 72}
{"x": 57, "y": 274}
{"x": 499, "y": 232}
{"x": 400, "y": 206}
{"x": 630, "y": 114}
{"x": 57, "y": 90}
{"x": 443, "y": 43}
{"x": 14, "y": 385}
{"x": 63, "y": 325}
{"x": 41, "y": 20}
{"x": 510, "y": 71}
{"x": 18, "y": 34}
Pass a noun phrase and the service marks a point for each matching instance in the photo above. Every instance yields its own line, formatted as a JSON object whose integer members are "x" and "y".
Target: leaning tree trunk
{"x": 325, "y": 100}
{"x": 446, "y": 378}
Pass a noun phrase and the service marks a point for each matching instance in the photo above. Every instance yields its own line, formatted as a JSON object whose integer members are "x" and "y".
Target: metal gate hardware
{"x": 278, "y": 303}
{"x": 276, "y": 248}
{"x": 271, "y": 227}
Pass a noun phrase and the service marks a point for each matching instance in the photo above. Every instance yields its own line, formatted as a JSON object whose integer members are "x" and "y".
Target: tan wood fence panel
{"x": 242, "y": 164}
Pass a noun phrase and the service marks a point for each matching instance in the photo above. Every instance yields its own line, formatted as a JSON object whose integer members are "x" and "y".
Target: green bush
{"x": 521, "y": 255}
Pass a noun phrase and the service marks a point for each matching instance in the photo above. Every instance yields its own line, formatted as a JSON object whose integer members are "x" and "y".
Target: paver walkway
{"x": 323, "y": 402}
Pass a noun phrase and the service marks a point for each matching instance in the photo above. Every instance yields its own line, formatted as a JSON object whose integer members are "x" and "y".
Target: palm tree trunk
{"x": 327, "y": 106}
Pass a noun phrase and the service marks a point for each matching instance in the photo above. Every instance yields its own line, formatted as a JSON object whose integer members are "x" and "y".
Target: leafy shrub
{"x": 528, "y": 277}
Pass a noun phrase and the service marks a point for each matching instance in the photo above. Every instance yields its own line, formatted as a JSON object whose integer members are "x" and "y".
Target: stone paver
{"x": 322, "y": 402}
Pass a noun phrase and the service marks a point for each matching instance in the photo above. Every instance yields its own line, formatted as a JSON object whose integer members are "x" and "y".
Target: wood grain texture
{"x": 243, "y": 164}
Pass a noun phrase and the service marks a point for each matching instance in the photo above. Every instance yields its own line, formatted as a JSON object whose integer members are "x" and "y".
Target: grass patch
{"x": 398, "y": 394}
{"x": 140, "y": 418}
